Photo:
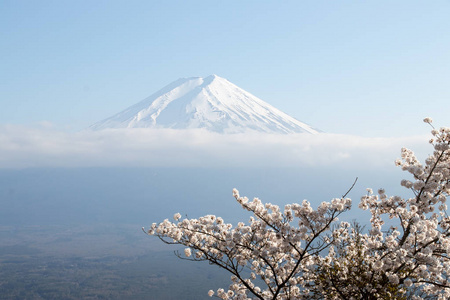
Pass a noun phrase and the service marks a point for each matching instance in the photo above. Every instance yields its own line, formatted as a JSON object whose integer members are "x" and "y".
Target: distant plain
{"x": 76, "y": 233}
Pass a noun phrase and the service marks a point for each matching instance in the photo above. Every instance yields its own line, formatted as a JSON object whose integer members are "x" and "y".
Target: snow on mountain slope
{"x": 212, "y": 103}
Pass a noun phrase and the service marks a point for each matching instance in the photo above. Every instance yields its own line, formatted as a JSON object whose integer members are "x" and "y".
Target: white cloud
{"x": 22, "y": 147}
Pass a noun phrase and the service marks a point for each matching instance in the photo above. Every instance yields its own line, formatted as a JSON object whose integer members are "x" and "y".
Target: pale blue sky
{"x": 370, "y": 68}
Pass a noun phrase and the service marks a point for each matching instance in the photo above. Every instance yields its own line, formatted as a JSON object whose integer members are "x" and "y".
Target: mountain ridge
{"x": 213, "y": 103}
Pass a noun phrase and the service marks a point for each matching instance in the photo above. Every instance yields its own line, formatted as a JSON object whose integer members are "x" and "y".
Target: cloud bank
{"x": 23, "y": 147}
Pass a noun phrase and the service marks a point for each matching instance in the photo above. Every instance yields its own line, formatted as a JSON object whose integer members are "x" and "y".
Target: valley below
{"x": 56, "y": 262}
{"x": 76, "y": 233}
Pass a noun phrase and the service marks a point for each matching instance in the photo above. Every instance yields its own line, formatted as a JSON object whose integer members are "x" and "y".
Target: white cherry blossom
{"x": 299, "y": 252}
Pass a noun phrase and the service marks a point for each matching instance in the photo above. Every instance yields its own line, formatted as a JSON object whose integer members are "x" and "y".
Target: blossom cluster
{"x": 277, "y": 246}
{"x": 298, "y": 252}
{"x": 410, "y": 260}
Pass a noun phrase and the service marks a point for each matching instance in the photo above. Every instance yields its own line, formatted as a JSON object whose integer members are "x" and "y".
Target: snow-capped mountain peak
{"x": 212, "y": 103}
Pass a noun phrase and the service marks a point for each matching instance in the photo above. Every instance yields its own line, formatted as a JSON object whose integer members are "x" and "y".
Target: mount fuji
{"x": 212, "y": 103}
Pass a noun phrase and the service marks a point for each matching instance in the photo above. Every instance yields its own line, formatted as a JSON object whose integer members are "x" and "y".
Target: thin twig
{"x": 351, "y": 188}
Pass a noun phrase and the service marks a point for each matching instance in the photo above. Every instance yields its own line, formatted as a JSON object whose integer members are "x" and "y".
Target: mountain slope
{"x": 212, "y": 103}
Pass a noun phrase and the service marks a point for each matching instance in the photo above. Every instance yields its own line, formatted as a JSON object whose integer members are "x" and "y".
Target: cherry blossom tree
{"x": 303, "y": 253}
{"x": 409, "y": 260}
